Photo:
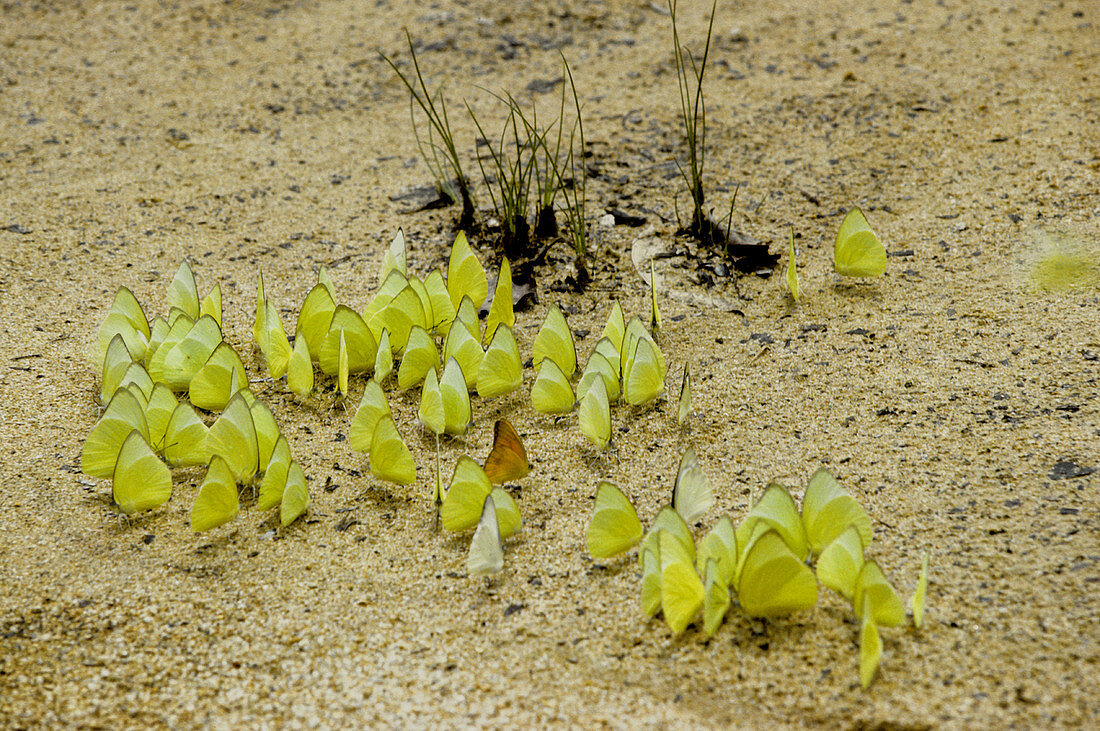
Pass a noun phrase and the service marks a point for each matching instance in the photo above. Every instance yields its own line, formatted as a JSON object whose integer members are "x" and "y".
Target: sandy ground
{"x": 270, "y": 134}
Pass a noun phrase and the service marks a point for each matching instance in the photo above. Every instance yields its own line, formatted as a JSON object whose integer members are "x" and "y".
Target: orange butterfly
{"x": 507, "y": 459}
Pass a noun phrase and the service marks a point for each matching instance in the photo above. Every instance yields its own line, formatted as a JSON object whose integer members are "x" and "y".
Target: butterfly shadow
{"x": 763, "y": 633}
{"x": 857, "y": 290}
{"x": 612, "y": 568}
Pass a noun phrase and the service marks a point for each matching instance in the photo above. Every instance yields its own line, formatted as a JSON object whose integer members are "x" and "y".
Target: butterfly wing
{"x": 295, "y": 497}
{"x": 555, "y": 341}
{"x": 501, "y": 371}
{"x": 858, "y": 251}
{"x": 507, "y": 460}
{"x": 140, "y": 480}
{"x": 217, "y": 502}
{"x": 500, "y": 311}
{"x": 692, "y": 495}
{"x": 465, "y": 275}
{"x": 615, "y": 527}
{"x": 466, "y": 495}
{"x": 551, "y": 392}
{"x": 486, "y": 552}
{"x": 774, "y": 582}
{"x": 274, "y": 482}
{"x": 594, "y": 415}
{"x": 390, "y": 458}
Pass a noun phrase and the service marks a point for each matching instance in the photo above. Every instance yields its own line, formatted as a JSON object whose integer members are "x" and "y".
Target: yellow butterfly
{"x": 692, "y": 495}
{"x": 274, "y": 482}
{"x": 184, "y": 360}
{"x": 858, "y": 251}
{"x": 500, "y": 311}
{"x": 682, "y": 593}
{"x": 594, "y": 415}
{"x": 177, "y": 331}
{"x": 828, "y": 510}
{"x": 383, "y": 361}
{"x": 873, "y": 590}
{"x": 400, "y": 315}
{"x": 212, "y": 304}
{"x": 183, "y": 293}
{"x": 792, "y": 272}
{"x": 555, "y": 341}
{"x": 465, "y": 275}
{"x": 610, "y": 352}
{"x": 651, "y": 580}
{"x": 719, "y": 545}
{"x": 466, "y": 493}
{"x": 870, "y": 649}
{"x": 299, "y": 373}
{"x": 599, "y": 367}
{"x": 314, "y": 319}
{"x": 217, "y": 503}
{"x": 419, "y": 357}
{"x": 776, "y": 509}
{"x": 431, "y": 411}
{"x": 267, "y": 433}
{"x": 372, "y": 407}
{"x": 551, "y": 392}
{"x": 277, "y": 348}
{"x": 259, "y": 326}
{"x": 425, "y": 298}
{"x": 342, "y": 368}
{"x": 643, "y": 379}
{"x": 392, "y": 286}
{"x": 158, "y": 330}
{"x": 839, "y": 564}
{"x": 716, "y": 600}
{"x": 486, "y": 551}
{"x": 683, "y": 408}
{"x": 655, "y": 314}
{"x": 123, "y": 415}
{"x": 394, "y": 260}
{"x": 218, "y": 380}
{"x": 158, "y": 413}
{"x": 185, "y": 438}
{"x": 773, "y": 580}
{"x": 462, "y": 347}
{"x": 390, "y": 458}
{"x": 127, "y": 320}
{"x": 360, "y": 345}
{"x": 233, "y": 437}
{"x": 635, "y": 331}
{"x": 325, "y": 281}
{"x": 463, "y": 504}
{"x": 917, "y": 603}
{"x": 295, "y": 498}
{"x": 669, "y": 521}
{"x": 137, "y": 380}
{"x": 443, "y": 312}
{"x": 140, "y": 480}
{"x": 501, "y": 371}
{"x": 466, "y": 315}
{"x": 614, "y": 528}
{"x": 456, "y": 398}
{"x": 116, "y": 361}
{"x": 507, "y": 460}
{"x": 615, "y": 329}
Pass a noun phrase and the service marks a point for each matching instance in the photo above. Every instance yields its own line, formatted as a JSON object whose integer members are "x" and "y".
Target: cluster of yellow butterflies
{"x": 857, "y": 252}
{"x": 626, "y": 363}
{"x": 144, "y": 365}
{"x": 403, "y": 318}
{"x": 763, "y": 559}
